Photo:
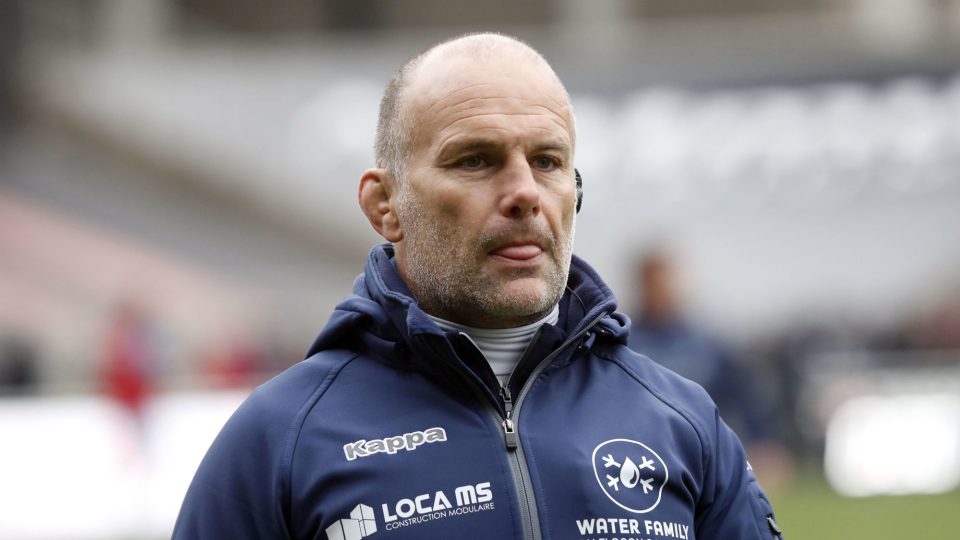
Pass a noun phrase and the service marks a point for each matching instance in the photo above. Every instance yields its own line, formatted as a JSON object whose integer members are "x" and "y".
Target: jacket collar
{"x": 381, "y": 313}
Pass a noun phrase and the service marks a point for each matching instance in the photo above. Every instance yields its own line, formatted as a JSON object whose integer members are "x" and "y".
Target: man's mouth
{"x": 518, "y": 252}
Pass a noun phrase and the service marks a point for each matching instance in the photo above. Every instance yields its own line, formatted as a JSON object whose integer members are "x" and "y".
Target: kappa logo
{"x": 391, "y": 445}
{"x": 361, "y": 524}
{"x": 630, "y": 473}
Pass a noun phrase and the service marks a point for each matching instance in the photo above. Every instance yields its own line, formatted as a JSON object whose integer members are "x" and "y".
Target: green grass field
{"x": 811, "y": 510}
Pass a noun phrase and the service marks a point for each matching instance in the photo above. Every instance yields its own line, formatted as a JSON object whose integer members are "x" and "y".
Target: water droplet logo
{"x": 630, "y": 473}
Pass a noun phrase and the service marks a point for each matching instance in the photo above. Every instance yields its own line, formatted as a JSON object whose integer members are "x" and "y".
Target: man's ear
{"x": 377, "y": 196}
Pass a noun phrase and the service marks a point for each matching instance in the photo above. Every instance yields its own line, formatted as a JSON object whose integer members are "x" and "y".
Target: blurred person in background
{"x": 10, "y": 37}
{"x": 18, "y": 365}
{"x": 936, "y": 325}
{"x": 661, "y": 330}
{"x": 477, "y": 383}
{"x": 234, "y": 364}
{"x": 129, "y": 358}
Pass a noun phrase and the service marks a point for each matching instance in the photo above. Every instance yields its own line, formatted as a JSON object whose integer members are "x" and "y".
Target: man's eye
{"x": 545, "y": 163}
{"x": 472, "y": 162}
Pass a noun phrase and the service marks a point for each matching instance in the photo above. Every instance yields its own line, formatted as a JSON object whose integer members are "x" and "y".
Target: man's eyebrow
{"x": 557, "y": 145}
{"x": 470, "y": 144}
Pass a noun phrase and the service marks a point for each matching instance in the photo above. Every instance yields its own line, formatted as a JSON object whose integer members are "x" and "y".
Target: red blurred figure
{"x": 127, "y": 371}
{"x": 235, "y": 365}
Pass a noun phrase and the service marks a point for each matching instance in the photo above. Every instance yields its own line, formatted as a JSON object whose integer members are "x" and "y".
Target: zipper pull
{"x": 510, "y": 434}
{"x": 507, "y": 400}
{"x": 774, "y": 528}
{"x": 509, "y": 429}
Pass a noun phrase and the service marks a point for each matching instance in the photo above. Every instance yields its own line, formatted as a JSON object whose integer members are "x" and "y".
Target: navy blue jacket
{"x": 393, "y": 429}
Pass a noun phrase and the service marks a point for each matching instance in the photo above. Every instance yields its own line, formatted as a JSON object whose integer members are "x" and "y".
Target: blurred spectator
{"x": 9, "y": 62}
{"x": 937, "y": 326}
{"x": 791, "y": 356}
{"x": 662, "y": 332}
{"x": 18, "y": 366}
{"x": 129, "y": 361}
{"x": 236, "y": 363}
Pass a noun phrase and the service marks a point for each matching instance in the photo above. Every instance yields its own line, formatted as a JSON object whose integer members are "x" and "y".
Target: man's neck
{"x": 502, "y": 347}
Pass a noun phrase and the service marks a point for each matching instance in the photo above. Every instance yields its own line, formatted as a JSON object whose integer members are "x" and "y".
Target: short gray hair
{"x": 393, "y": 123}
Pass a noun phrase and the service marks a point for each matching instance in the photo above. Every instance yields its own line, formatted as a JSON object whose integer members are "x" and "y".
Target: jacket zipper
{"x": 518, "y": 464}
{"x": 518, "y": 468}
{"x": 516, "y": 471}
{"x": 511, "y": 437}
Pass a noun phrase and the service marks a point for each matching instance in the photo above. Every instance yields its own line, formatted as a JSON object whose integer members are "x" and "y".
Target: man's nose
{"x": 521, "y": 192}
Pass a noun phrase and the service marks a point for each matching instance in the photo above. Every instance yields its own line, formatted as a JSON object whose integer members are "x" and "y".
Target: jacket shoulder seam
{"x": 296, "y": 426}
{"x": 690, "y": 417}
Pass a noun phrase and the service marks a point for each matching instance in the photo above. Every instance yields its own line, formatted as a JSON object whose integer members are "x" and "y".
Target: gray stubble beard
{"x": 447, "y": 281}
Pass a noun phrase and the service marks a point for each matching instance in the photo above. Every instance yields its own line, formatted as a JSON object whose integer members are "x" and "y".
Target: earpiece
{"x": 579, "y": 189}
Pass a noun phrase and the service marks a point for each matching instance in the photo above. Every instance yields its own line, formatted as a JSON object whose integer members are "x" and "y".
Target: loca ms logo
{"x": 630, "y": 473}
{"x": 359, "y": 525}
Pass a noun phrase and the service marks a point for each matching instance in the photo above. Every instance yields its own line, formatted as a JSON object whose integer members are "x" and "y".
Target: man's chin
{"x": 527, "y": 298}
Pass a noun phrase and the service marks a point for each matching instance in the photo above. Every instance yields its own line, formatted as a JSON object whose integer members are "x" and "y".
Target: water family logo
{"x": 630, "y": 473}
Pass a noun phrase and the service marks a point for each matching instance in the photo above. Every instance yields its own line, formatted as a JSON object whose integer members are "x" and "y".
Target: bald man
{"x": 477, "y": 383}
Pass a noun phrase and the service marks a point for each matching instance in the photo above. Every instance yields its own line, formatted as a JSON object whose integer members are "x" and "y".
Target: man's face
{"x": 487, "y": 203}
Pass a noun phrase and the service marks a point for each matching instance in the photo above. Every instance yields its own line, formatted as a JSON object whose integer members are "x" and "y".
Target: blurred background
{"x": 772, "y": 189}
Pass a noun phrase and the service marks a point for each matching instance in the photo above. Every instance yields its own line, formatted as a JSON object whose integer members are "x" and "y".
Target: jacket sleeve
{"x": 732, "y": 504}
{"x": 237, "y": 491}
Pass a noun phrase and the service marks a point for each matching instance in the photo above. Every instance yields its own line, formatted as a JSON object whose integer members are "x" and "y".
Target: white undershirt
{"x": 502, "y": 347}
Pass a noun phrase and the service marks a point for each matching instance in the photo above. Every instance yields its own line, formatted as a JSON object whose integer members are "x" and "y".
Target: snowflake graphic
{"x": 629, "y": 473}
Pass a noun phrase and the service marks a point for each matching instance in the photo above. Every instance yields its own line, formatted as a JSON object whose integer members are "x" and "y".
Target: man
{"x": 477, "y": 383}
